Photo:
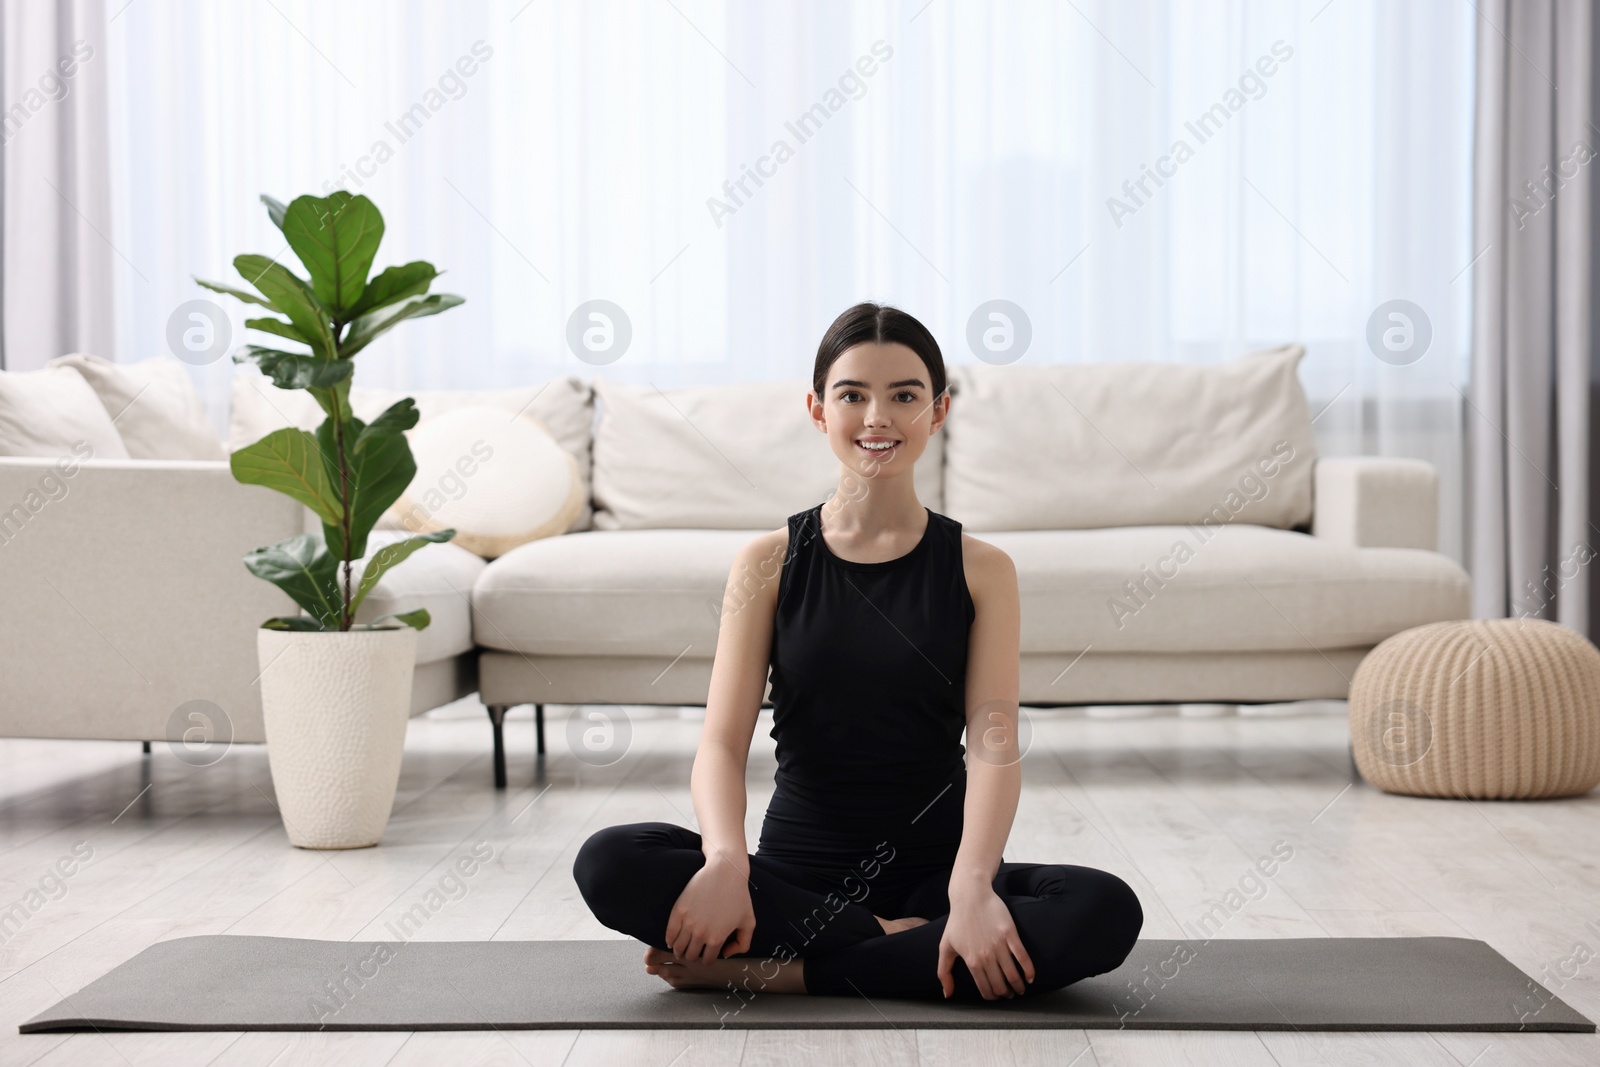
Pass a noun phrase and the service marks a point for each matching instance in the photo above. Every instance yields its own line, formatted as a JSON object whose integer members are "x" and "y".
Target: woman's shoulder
{"x": 757, "y": 566}
{"x": 764, "y": 554}
{"x": 989, "y": 569}
{"x": 767, "y": 543}
{"x": 774, "y": 544}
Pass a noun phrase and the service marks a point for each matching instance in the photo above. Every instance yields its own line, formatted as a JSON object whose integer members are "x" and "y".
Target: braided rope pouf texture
{"x": 1492, "y": 709}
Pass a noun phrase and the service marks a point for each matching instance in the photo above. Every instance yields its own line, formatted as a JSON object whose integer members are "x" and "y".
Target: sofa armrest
{"x": 1375, "y": 502}
{"x": 127, "y": 596}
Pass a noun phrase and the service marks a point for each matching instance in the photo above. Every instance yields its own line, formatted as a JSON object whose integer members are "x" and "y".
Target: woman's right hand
{"x": 715, "y": 904}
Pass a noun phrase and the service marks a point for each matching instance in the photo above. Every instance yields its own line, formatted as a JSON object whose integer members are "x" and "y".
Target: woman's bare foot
{"x": 744, "y": 972}
{"x": 894, "y": 926}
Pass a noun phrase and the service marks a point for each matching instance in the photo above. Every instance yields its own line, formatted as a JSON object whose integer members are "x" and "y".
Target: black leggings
{"x": 1074, "y": 921}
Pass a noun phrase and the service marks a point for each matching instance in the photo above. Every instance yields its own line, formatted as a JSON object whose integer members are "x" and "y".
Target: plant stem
{"x": 345, "y": 618}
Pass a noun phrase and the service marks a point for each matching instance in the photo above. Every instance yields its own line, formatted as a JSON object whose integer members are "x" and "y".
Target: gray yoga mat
{"x": 222, "y": 982}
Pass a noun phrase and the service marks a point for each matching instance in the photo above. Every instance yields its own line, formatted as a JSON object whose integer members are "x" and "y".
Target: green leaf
{"x": 417, "y": 620}
{"x": 295, "y": 370}
{"x": 335, "y": 398}
{"x": 294, "y": 622}
{"x": 290, "y": 461}
{"x": 392, "y": 285}
{"x": 239, "y": 294}
{"x": 336, "y": 237}
{"x": 396, "y": 418}
{"x": 367, "y": 328}
{"x": 290, "y": 295}
{"x": 388, "y": 556}
{"x": 301, "y": 567}
{"x": 275, "y": 210}
{"x": 279, "y": 327}
{"x": 379, "y": 471}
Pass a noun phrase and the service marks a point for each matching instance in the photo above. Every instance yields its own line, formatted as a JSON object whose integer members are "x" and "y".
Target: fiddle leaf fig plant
{"x": 347, "y": 472}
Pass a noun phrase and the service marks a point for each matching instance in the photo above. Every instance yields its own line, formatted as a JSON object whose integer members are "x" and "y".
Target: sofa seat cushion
{"x": 438, "y": 577}
{"x": 608, "y": 593}
{"x": 659, "y": 592}
{"x": 1235, "y": 587}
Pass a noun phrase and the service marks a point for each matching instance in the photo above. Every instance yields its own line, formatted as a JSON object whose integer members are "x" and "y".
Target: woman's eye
{"x": 904, "y": 392}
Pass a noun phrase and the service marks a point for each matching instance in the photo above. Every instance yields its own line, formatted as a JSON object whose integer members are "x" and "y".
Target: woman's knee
{"x": 1119, "y": 897}
{"x": 611, "y": 862}
{"x": 1093, "y": 923}
{"x": 1113, "y": 910}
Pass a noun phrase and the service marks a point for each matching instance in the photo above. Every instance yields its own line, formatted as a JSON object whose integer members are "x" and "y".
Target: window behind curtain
{"x": 938, "y": 156}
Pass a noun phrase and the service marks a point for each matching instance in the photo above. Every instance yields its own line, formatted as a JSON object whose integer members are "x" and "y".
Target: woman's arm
{"x": 716, "y": 903}
{"x": 980, "y": 929}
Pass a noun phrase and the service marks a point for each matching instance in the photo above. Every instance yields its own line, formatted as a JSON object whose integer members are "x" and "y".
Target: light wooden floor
{"x": 1179, "y": 806}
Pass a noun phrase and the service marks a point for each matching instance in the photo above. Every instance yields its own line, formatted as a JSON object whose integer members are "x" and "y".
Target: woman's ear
{"x": 814, "y": 412}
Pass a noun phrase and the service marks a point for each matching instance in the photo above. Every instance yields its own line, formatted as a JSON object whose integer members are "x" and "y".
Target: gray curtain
{"x": 55, "y": 189}
{"x": 1531, "y": 543}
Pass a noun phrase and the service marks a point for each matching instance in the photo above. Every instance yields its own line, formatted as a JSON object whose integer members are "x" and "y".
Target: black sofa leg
{"x": 538, "y": 727}
{"x": 497, "y": 718}
{"x": 146, "y": 746}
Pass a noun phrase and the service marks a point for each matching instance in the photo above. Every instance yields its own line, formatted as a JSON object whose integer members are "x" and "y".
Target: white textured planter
{"x": 335, "y": 707}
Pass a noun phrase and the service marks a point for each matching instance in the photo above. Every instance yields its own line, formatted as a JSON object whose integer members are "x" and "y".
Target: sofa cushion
{"x": 565, "y": 406}
{"x": 1078, "y": 446}
{"x": 53, "y": 412}
{"x": 608, "y": 592}
{"x": 497, "y": 482}
{"x": 741, "y": 456}
{"x": 438, "y": 577}
{"x": 153, "y": 404}
{"x": 1235, "y": 587}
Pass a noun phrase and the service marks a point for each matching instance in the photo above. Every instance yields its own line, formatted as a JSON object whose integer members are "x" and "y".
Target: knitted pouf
{"x": 1485, "y": 708}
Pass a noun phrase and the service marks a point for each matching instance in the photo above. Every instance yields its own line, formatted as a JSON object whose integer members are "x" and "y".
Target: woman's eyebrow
{"x": 864, "y": 385}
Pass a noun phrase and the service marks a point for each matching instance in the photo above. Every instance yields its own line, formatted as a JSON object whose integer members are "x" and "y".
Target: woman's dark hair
{"x": 869, "y": 323}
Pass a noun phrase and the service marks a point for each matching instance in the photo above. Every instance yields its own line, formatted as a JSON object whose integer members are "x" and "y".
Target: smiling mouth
{"x": 879, "y": 453}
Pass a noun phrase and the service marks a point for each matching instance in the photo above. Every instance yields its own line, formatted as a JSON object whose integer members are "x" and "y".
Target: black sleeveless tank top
{"x": 868, "y": 673}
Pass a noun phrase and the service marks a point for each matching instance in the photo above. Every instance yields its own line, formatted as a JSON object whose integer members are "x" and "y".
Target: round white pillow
{"x": 498, "y": 479}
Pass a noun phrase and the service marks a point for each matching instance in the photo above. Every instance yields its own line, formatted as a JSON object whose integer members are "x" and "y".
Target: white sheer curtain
{"x": 976, "y": 161}
{"x": 55, "y": 201}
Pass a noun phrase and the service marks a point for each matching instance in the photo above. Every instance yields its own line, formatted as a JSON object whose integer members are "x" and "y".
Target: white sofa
{"x": 126, "y": 600}
{"x": 1090, "y": 477}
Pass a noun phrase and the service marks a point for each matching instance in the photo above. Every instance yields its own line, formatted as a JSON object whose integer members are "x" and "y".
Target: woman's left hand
{"x": 980, "y": 931}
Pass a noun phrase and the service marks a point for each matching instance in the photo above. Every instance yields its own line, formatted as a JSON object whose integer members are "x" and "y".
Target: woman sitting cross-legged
{"x": 888, "y": 631}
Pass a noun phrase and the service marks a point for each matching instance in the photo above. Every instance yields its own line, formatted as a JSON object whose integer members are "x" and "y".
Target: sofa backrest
{"x": 743, "y": 456}
{"x": 1078, "y": 446}
{"x": 1026, "y": 447}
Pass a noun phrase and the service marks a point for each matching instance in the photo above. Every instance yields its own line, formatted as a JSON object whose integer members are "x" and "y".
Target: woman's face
{"x": 878, "y": 393}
